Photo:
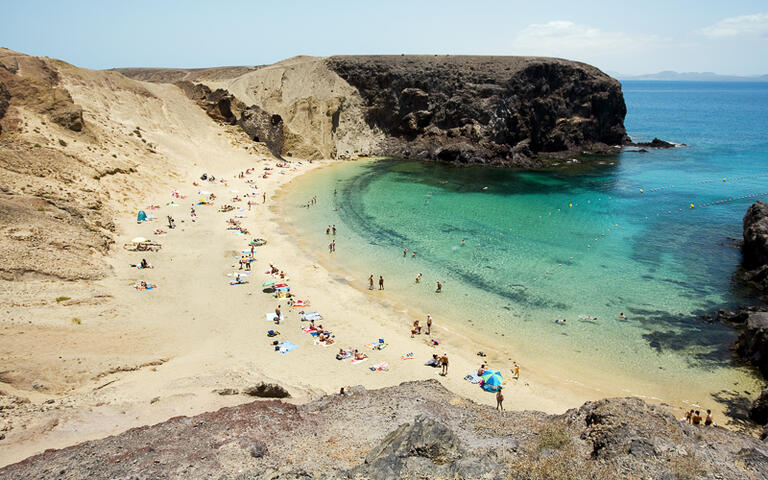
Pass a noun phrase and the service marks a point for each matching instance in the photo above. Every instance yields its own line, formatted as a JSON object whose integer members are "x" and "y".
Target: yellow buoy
{"x": 723, "y": 179}
{"x": 641, "y": 191}
{"x": 691, "y": 205}
{"x": 570, "y": 204}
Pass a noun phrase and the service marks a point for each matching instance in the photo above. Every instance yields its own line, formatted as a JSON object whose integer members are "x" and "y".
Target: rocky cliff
{"x": 502, "y": 111}
{"x": 414, "y": 430}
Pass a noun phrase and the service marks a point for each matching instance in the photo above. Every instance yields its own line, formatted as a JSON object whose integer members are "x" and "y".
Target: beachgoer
{"x": 247, "y": 263}
{"x": 144, "y": 263}
{"x": 333, "y": 245}
{"x": 381, "y": 282}
{"x": 429, "y": 324}
{"x": 277, "y": 314}
{"x": 444, "y": 364}
{"x": 370, "y": 282}
{"x": 688, "y": 416}
{"x": 517, "y": 371}
{"x": 481, "y": 370}
{"x": 622, "y": 316}
{"x": 439, "y": 287}
{"x": 708, "y": 420}
{"x": 333, "y": 229}
{"x": 418, "y": 278}
{"x": 328, "y": 230}
{"x": 342, "y": 392}
{"x": 413, "y": 254}
{"x": 462, "y": 242}
{"x": 334, "y": 191}
{"x": 696, "y": 419}
{"x": 264, "y": 197}
{"x": 499, "y": 400}
{"x": 330, "y": 247}
{"x": 405, "y": 252}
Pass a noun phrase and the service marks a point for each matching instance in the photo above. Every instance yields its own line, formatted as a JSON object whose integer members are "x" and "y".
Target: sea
{"x": 596, "y": 271}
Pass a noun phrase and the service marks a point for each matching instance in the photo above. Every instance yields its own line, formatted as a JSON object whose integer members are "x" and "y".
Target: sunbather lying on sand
{"x": 142, "y": 285}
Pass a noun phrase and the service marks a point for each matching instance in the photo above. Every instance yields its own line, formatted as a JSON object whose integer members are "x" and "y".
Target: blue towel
{"x": 286, "y": 347}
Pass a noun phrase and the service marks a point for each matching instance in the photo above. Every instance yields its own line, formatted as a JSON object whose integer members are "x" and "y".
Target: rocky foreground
{"x": 414, "y": 430}
{"x": 501, "y": 111}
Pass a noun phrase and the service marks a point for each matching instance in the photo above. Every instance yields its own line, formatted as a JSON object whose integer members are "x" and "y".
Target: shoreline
{"x": 140, "y": 358}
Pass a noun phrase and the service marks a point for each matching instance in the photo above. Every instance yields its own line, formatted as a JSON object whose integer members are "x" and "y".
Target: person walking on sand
{"x": 517, "y": 371}
{"x": 370, "y": 282}
{"x": 444, "y": 364}
{"x": 499, "y": 400}
{"x": 381, "y": 282}
{"x": 429, "y": 324}
{"x": 277, "y": 314}
{"x": 264, "y": 197}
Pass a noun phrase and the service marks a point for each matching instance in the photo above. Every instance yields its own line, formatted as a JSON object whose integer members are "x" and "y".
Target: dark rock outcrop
{"x": 752, "y": 344}
{"x": 755, "y": 246}
{"x": 267, "y": 390}
{"x": 759, "y": 411}
{"x": 219, "y": 104}
{"x": 5, "y": 98}
{"x": 655, "y": 143}
{"x": 262, "y": 126}
{"x": 492, "y": 110}
{"x": 70, "y": 117}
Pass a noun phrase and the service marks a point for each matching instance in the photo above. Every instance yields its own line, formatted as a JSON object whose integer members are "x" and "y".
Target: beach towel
{"x": 311, "y": 316}
{"x": 408, "y": 356}
{"x": 300, "y": 303}
{"x": 380, "y": 367}
{"x": 235, "y": 282}
{"x": 242, "y": 274}
{"x": 286, "y": 347}
{"x": 272, "y": 316}
{"x": 472, "y": 377}
{"x": 354, "y": 362}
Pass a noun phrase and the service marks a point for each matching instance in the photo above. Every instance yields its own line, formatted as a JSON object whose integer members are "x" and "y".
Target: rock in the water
{"x": 489, "y": 110}
{"x": 267, "y": 390}
{"x": 755, "y": 247}
{"x": 655, "y": 143}
{"x": 759, "y": 411}
{"x": 752, "y": 344}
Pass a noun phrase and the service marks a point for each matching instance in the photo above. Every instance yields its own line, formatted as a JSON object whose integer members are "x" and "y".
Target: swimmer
{"x": 413, "y": 254}
{"x": 405, "y": 252}
{"x": 462, "y": 242}
{"x": 622, "y": 316}
{"x": 560, "y": 322}
{"x": 418, "y": 278}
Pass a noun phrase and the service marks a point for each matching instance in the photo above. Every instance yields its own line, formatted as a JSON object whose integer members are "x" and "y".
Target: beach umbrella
{"x": 268, "y": 283}
{"x": 492, "y": 380}
{"x": 139, "y": 240}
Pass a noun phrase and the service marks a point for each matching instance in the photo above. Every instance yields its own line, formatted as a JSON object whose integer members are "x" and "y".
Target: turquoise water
{"x": 574, "y": 243}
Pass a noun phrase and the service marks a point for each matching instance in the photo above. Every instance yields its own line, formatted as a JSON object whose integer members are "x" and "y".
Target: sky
{"x": 628, "y": 37}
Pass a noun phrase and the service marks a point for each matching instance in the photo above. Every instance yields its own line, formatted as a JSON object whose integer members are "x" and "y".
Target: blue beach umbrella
{"x": 492, "y": 380}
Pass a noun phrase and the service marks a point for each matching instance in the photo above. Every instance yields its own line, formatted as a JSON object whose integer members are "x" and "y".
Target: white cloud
{"x": 745, "y": 25}
{"x": 563, "y": 38}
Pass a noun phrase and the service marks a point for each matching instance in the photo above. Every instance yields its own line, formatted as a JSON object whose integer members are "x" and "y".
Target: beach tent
{"x": 492, "y": 380}
{"x": 141, "y": 217}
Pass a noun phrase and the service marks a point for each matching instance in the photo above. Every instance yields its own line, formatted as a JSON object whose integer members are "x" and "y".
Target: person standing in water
{"x": 333, "y": 229}
{"x": 405, "y": 252}
{"x": 328, "y": 230}
{"x": 333, "y": 245}
{"x": 439, "y": 287}
{"x": 381, "y": 282}
{"x": 499, "y": 400}
{"x": 418, "y": 278}
{"x": 330, "y": 247}
{"x": 370, "y": 282}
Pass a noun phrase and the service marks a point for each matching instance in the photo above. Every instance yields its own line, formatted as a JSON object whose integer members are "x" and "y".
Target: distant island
{"x": 672, "y": 76}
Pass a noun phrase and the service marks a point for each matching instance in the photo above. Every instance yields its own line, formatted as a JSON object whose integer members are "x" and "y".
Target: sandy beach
{"x": 140, "y": 357}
